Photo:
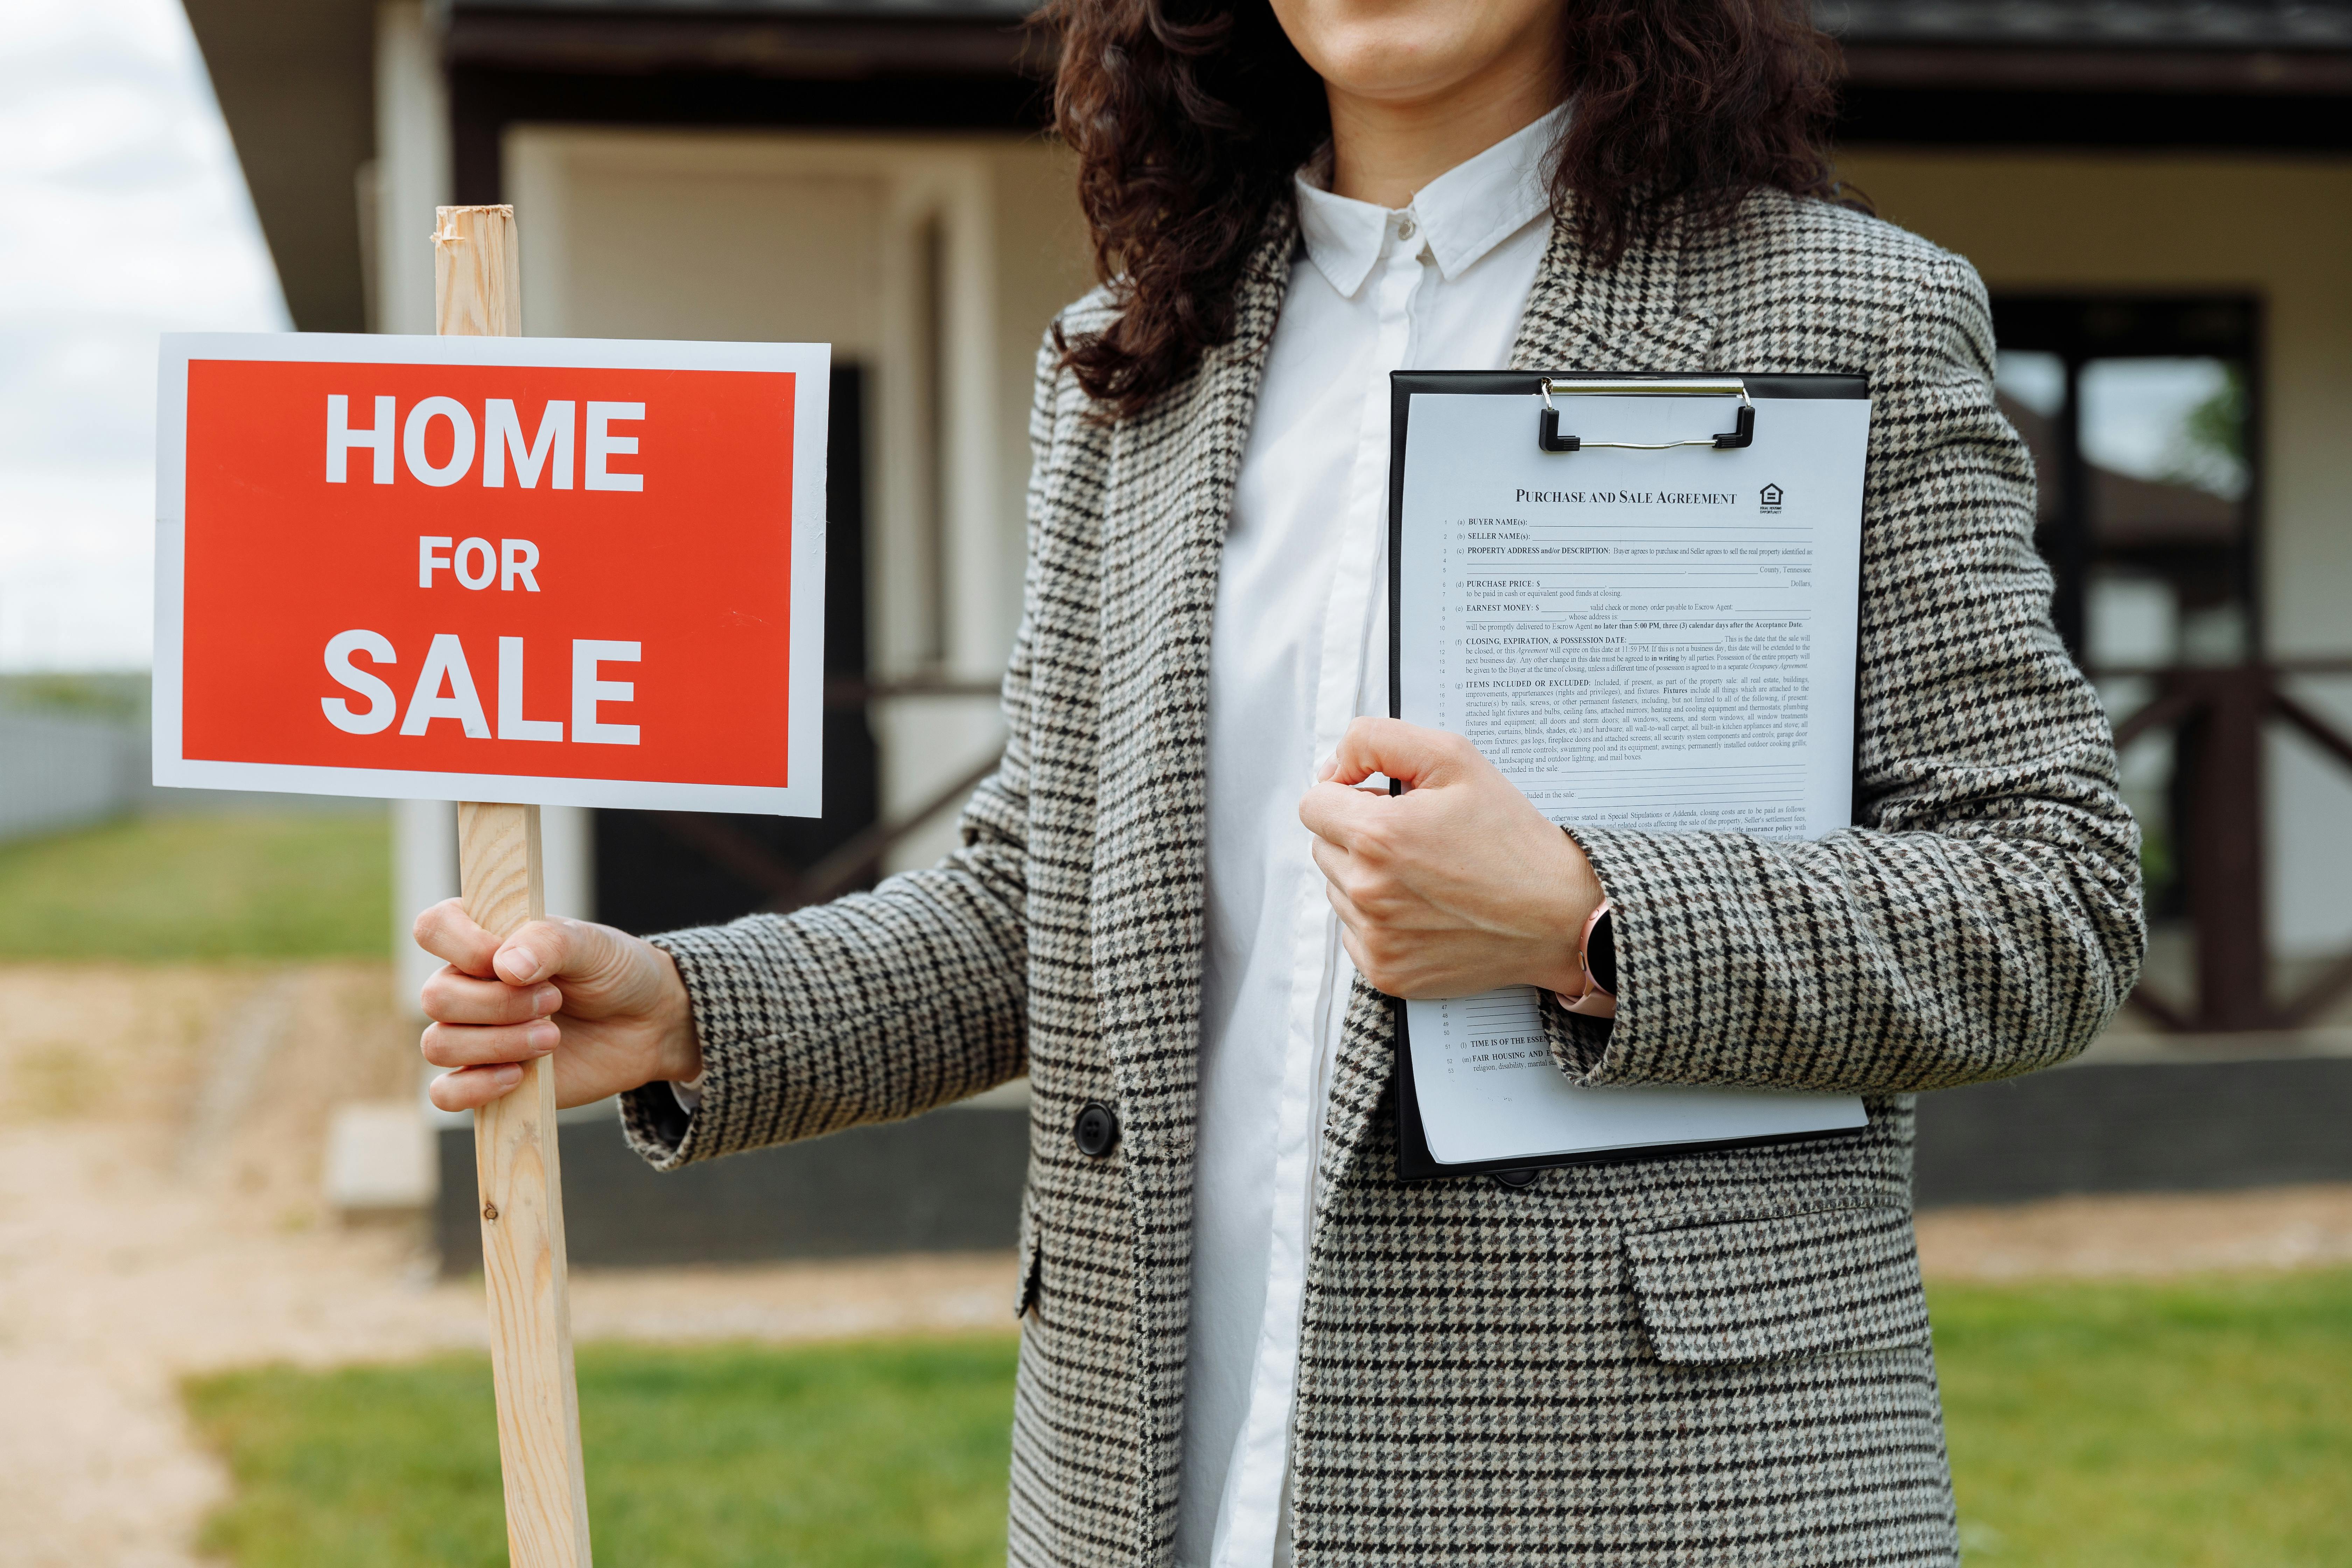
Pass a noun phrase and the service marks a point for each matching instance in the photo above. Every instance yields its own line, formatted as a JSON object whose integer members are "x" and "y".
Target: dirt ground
{"x": 160, "y": 1137}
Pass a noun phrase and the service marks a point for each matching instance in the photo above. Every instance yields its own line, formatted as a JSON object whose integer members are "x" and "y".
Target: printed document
{"x": 1661, "y": 640}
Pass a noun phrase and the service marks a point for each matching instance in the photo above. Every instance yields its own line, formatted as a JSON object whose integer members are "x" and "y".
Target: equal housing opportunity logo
{"x": 1769, "y": 500}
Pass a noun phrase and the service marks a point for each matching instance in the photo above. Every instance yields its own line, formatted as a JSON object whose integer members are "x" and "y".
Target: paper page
{"x": 1659, "y": 640}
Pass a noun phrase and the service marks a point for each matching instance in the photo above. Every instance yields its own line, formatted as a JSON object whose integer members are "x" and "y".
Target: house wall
{"x": 803, "y": 235}
{"x": 935, "y": 261}
{"x": 2279, "y": 228}
{"x": 410, "y": 177}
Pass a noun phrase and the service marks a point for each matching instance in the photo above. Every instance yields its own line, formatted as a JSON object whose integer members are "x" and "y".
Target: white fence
{"x": 60, "y": 770}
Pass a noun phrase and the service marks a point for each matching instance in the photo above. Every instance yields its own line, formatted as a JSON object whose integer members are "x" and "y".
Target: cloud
{"x": 122, "y": 215}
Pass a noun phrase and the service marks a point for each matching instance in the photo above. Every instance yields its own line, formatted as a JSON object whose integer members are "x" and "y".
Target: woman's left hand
{"x": 1455, "y": 887}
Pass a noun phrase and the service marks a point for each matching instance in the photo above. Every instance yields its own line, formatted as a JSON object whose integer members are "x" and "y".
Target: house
{"x": 2158, "y": 195}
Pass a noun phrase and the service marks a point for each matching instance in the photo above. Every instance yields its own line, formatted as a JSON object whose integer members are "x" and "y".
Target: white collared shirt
{"x": 1297, "y": 648}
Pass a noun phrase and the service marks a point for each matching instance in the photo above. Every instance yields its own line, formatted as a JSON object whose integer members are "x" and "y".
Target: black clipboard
{"x": 1414, "y": 1160}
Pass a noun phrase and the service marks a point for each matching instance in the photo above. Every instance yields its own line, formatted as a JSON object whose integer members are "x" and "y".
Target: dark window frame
{"x": 2080, "y": 327}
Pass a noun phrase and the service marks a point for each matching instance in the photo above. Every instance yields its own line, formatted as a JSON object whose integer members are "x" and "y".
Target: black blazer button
{"x": 1095, "y": 1130}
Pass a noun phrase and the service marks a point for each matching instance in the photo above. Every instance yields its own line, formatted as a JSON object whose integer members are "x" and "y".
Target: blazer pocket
{"x": 1779, "y": 1287}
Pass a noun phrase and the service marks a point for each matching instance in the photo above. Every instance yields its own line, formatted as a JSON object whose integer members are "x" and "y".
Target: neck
{"x": 1385, "y": 149}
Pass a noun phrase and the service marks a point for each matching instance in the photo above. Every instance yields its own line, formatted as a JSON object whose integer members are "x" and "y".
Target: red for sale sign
{"x": 563, "y": 572}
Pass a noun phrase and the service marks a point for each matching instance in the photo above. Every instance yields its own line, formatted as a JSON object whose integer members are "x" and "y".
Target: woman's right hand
{"x": 609, "y": 1006}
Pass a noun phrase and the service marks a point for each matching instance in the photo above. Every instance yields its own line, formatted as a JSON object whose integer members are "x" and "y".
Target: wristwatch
{"x": 1596, "y": 951}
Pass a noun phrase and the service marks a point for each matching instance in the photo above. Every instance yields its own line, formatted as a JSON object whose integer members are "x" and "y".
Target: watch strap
{"x": 1596, "y": 954}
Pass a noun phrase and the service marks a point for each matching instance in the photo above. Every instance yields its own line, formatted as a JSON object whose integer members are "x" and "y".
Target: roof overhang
{"x": 2197, "y": 47}
{"x": 778, "y": 38}
{"x": 2126, "y": 25}
{"x": 2184, "y": 74}
{"x": 296, "y": 82}
{"x": 297, "y": 87}
{"x": 2252, "y": 72}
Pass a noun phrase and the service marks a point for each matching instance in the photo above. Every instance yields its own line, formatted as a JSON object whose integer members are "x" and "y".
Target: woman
{"x": 1244, "y": 1341}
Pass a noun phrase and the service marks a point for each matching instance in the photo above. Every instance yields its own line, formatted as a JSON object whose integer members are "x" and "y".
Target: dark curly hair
{"x": 1190, "y": 115}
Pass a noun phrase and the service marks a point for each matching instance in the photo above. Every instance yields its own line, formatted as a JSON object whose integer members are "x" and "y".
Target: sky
{"x": 122, "y": 215}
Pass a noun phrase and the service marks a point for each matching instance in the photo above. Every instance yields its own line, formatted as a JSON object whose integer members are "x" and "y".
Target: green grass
{"x": 292, "y": 886}
{"x": 868, "y": 1456}
{"x": 2175, "y": 1425}
{"x": 2183, "y": 1426}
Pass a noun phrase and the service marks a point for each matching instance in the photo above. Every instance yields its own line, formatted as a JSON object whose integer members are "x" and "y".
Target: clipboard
{"x": 1558, "y": 429}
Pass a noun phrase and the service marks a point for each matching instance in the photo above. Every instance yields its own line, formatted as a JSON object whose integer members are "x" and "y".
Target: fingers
{"x": 541, "y": 951}
{"x": 1407, "y": 752}
{"x": 463, "y": 1046}
{"x": 1353, "y": 945}
{"x": 448, "y": 932}
{"x": 452, "y": 996}
{"x": 1348, "y": 878}
{"x": 1340, "y": 815}
{"x": 1351, "y": 917}
{"x": 473, "y": 1088}
{"x": 556, "y": 950}
{"x": 1330, "y": 859}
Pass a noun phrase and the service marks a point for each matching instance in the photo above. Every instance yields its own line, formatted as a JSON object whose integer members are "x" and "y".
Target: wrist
{"x": 678, "y": 1049}
{"x": 1578, "y": 894}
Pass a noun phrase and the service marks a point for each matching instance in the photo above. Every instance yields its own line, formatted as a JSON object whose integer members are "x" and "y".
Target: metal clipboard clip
{"x": 1741, "y": 434}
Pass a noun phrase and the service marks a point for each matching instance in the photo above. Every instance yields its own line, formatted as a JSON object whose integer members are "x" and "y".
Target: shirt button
{"x": 1405, "y": 229}
{"x": 1095, "y": 1130}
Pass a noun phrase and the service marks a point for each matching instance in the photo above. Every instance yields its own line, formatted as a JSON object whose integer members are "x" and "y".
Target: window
{"x": 2140, "y": 413}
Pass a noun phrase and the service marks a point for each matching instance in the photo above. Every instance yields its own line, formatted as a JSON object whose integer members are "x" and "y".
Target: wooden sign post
{"x": 477, "y": 291}
{"x": 481, "y": 567}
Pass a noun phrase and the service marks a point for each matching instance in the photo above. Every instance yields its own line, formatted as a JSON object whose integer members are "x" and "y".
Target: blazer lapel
{"x": 1627, "y": 317}
{"x": 1170, "y": 495}
{"x": 1578, "y": 316}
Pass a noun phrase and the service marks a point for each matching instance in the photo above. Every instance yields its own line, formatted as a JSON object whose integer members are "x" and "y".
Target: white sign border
{"x": 811, "y": 363}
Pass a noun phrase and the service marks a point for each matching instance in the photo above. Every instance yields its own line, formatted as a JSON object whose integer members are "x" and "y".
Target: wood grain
{"x": 516, "y": 1157}
{"x": 476, "y": 273}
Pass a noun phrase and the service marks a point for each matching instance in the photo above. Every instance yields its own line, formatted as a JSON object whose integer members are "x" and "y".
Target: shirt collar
{"x": 1463, "y": 213}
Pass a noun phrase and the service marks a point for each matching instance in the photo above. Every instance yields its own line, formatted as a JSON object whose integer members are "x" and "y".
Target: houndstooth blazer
{"x": 1716, "y": 1357}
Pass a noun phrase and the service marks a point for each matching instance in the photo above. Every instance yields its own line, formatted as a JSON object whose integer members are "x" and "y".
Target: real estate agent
{"x": 1244, "y": 1341}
